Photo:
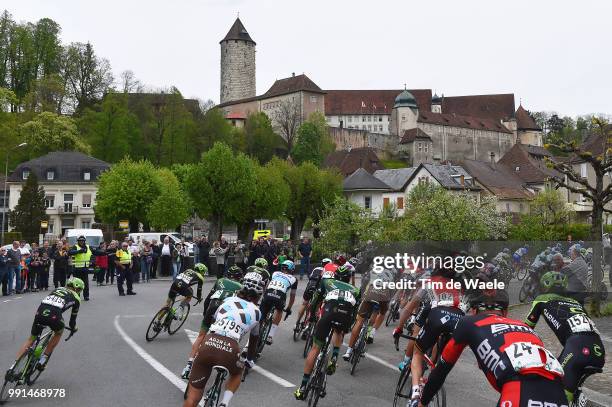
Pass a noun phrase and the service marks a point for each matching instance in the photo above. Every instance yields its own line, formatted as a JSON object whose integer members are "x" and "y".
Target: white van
{"x": 93, "y": 236}
{"x": 159, "y": 236}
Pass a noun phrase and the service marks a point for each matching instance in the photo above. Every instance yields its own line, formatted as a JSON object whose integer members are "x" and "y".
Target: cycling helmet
{"x": 325, "y": 261}
{"x": 288, "y": 265}
{"x": 343, "y": 274}
{"x": 75, "y": 283}
{"x": 261, "y": 262}
{"x": 506, "y": 250}
{"x": 354, "y": 261}
{"x": 200, "y": 268}
{"x": 553, "y": 280}
{"x": 490, "y": 300}
{"x": 252, "y": 285}
{"x": 350, "y": 267}
{"x": 234, "y": 273}
{"x": 252, "y": 269}
{"x": 340, "y": 260}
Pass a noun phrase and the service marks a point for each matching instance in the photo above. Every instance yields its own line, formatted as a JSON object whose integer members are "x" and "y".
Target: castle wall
{"x": 237, "y": 70}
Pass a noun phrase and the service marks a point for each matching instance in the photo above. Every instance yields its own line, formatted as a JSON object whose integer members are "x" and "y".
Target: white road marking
{"x": 6, "y": 301}
{"x": 192, "y": 335}
{"x": 377, "y": 359}
{"x": 136, "y": 316}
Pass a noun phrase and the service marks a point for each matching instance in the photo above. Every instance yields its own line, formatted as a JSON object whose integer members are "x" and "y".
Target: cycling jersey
{"x": 339, "y": 299}
{"x": 378, "y": 286}
{"x": 223, "y": 288}
{"x": 235, "y": 318}
{"x": 259, "y": 270}
{"x": 440, "y": 291}
{"x": 313, "y": 282}
{"x": 504, "y": 348}
{"x": 282, "y": 282}
{"x": 565, "y": 316}
{"x": 50, "y": 310}
{"x": 577, "y": 333}
{"x": 183, "y": 282}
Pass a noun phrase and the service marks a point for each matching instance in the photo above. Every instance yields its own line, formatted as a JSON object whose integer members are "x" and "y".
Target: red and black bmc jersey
{"x": 504, "y": 347}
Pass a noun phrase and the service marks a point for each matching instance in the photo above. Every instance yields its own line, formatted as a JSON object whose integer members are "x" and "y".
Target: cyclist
{"x": 183, "y": 282}
{"x": 504, "y": 260}
{"x": 519, "y": 256}
{"x": 236, "y": 318}
{"x": 223, "y": 288}
{"x": 276, "y": 294}
{"x": 509, "y": 353}
{"x": 261, "y": 265}
{"x": 313, "y": 282}
{"x": 328, "y": 265}
{"x": 447, "y": 307}
{"x": 49, "y": 314}
{"x": 338, "y": 298}
{"x": 378, "y": 291}
{"x": 568, "y": 319}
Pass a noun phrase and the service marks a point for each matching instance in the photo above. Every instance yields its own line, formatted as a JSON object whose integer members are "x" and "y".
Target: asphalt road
{"x": 109, "y": 363}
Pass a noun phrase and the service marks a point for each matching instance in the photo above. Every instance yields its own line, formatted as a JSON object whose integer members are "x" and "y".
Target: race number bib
{"x": 328, "y": 274}
{"x": 184, "y": 278}
{"x": 227, "y": 327}
{"x": 341, "y": 295}
{"x": 526, "y": 355}
{"x": 276, "y": 285}
{"x": 580, "y": 323}
{"x": 54, "y": 301}
{"x": 216, "y": 295}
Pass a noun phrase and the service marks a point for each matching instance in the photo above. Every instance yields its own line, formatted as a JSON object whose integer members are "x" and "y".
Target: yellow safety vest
{"x": 81, "y": 260}
{"x": 125, "y": 257}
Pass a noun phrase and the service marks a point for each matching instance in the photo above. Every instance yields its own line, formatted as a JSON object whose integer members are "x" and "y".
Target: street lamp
{"x": 5, "y": 202}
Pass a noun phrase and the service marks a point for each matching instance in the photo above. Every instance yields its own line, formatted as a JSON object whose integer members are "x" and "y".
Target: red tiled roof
{"x": 348, "y": 161}
{"x": 413, "y": 134}
{"x": 457, "y": 120}
{"x": 235, "y": 115}
{"x": 524, "y": 121}
{"x": 530, "y": 163}
{"x": 370, "y": 101}
{"x": 291, "y": 85}
{"x": 494, "y": 107}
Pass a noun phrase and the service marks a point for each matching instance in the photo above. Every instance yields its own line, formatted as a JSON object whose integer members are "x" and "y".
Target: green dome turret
{"x": 405, "y": 99}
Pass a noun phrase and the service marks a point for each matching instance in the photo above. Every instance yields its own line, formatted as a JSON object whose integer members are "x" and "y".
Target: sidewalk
{"x": 599, "y": 386}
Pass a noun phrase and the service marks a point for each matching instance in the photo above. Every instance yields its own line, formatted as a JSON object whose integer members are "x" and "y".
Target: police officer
{"x": 123, "y": 262}
{"x": 82, "y": 261}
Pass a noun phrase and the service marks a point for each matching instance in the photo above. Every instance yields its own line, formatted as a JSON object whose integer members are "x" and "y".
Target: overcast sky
{"x": 554, "y": 55}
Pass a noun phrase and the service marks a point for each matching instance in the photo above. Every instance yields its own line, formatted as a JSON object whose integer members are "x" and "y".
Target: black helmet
{"x": 490, "y": 300}
{"x": 82, "y": 237}
{"x": 234, "y": 272}
{"x": 343, "y": 273}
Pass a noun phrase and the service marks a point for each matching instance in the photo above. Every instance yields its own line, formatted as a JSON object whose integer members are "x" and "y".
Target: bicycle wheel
{"x": 389, "y": 318}
{"x": 34, "y": 374}
{"x": 525, "y": 288}
{"x": 308, "y": 343}
{"x": 263, "y": 334}
{"x": 297, "y": 329}
{"x": 401, "y": 392}
{"x": 21, "y": 366}
{"x": 360, "y": 347}
{"x": 155, "y": 327}
{"x": 176, "y": 324}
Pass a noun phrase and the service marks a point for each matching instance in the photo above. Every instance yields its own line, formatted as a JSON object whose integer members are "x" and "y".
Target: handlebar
{"x": 397, "y": 338}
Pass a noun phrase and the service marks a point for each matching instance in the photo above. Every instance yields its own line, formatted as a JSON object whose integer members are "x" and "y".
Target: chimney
{"x": 293, "y": 74}
{"x": 492, "y": 154}
{"x": 462, "y": 180}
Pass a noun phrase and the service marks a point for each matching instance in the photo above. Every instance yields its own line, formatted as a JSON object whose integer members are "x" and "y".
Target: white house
{"x": 69, "y": 180}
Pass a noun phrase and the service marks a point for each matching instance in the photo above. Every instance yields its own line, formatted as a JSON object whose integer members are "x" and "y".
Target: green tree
{"x": 548, "y": 214}
{"x": 126, "y": 192}
{"x": 51, "y": 132}
{"x": 171, "y": 208}
{"x": 111, "y": 130}
{"x": 212, "y": 128}
{"x": 308, "y": 145}
{"x": 260, "y": 141}
{"x": 219, "y": 185}
{"x": 268, "y": 201}
{"x": 30, "y": 210}
{"x": 327, "y": 144}
{"x": 436, "y": 214}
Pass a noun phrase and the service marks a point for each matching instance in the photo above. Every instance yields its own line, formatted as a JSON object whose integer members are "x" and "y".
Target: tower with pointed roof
{"x": 237, "y": 64}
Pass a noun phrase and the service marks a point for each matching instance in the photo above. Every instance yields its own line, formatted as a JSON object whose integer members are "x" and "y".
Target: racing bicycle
{"x": 359, "y": 348}
{"x": 169, "y": 319}
{"x": 25, "y": 370}
{"x": 212, "y": 398}
{"x": 580, "y": 400}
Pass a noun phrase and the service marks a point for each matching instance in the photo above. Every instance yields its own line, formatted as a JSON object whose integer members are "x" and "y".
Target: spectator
{"x": 60, "y": 264}
{"x": 304, "y": 251}
{"x": 24, "y": 271}
{"x": 184, "y": 255}
{"x": 146, "y": 260}
{"x": 34, "y": 269}
{"x": 196, "y": 250}
{"x": 4, "y": 271}
{"x": 576, "y": 273}
{"x": 156, "y": 254}
{"x": 270, "y": 251}
{"x": 111, "y": 253}
{"x": 13, "y": 266}
{"x": 239, "y": 255}
{"x": 204, "y": 251}
{"x": 252, "y": 254}
{"x": 219, "y": 257}
{"x": 123, "y": 264}
{"x": 135, "y": 252}
{"x": 101, "y": 264}
{"x": 176, "y": 260}
{"x": 47, "y": 254}
{"x": 82, "y": 254}
{"x": 226, "y": 246}
{"x": 167, "y": 252}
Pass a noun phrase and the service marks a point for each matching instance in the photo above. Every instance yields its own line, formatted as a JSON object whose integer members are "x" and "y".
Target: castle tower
{"x": 237, "y": 64}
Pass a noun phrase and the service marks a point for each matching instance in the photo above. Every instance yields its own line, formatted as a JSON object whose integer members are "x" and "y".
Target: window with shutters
{"x": 400, "y": 202}
{"x": 385, "y": 202}
{"x": 86, "y": 201}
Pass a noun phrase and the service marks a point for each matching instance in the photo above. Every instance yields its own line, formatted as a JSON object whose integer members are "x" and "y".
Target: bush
{"x": 10, "y": 237}
{"x": 528, "y": 229}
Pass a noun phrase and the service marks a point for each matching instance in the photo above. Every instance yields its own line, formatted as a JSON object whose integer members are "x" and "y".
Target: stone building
{"x": 237, "y": 64}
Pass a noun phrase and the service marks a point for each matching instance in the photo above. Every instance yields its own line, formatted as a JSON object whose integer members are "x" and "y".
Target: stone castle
{"x": 413, "y": 125}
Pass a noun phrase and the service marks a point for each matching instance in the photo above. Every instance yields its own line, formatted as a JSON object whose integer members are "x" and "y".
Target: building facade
{"x": 69, "y": 181}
